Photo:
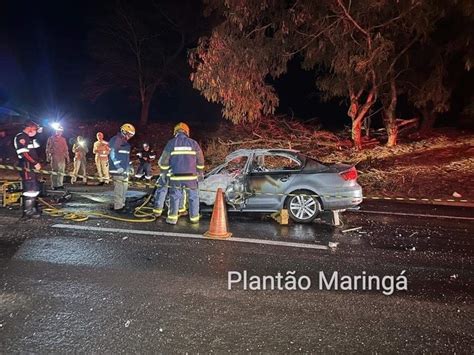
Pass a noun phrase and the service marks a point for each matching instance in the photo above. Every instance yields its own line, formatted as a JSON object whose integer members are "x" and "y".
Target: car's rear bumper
{"x": 342, "y": 199}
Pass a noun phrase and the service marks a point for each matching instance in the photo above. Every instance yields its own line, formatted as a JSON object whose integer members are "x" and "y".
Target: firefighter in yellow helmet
{"x": 183, "y": 160}
{"x": 120, "y": 165}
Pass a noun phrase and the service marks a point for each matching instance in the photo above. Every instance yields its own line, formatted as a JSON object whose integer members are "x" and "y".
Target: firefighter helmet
{"x": 127, "y": 130}
{"x": 181, "y": 127}
{"x": 99, "y": 135}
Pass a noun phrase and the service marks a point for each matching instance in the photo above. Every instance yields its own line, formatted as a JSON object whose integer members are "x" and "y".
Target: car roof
{"x": 248, "y": 152}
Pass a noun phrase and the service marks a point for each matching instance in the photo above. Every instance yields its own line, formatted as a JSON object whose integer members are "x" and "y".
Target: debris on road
{"x": 458, "y": 195}
{"x": 127, "y": 323}
{"x": 351, "y": 229}
{"x": 333, "y": 244}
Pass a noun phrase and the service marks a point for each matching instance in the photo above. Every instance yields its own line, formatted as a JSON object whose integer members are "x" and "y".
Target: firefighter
{"x": 146, "y": 157}
{"x": 101, "y": 150}
{"x": 57, "y": 154}
{"x": 80, "y": 151}
{"x": 184, "y": 160}
{"x": 26, "y": 148}
{"x": 120, "y": 165}
{"x": 161, "y": 191}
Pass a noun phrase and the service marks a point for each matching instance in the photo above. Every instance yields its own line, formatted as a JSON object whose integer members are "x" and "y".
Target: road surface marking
{"x": 416, "y": 215}
{"x": 189, "y": 235}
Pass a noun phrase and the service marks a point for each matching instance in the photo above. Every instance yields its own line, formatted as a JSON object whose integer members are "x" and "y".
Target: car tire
{"x": 303, "y": 209}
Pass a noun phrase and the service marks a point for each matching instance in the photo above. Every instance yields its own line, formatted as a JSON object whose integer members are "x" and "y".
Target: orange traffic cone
{"x": 218, "y": 227}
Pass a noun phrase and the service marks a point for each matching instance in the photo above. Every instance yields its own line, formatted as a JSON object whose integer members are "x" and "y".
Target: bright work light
{"x": 57, "y": 126}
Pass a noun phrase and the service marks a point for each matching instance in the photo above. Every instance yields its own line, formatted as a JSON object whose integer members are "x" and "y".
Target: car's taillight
{"x": 350, "y": 174}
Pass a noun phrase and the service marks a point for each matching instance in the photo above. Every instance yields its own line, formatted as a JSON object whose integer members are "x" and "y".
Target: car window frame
{"x": 218, "y": 169}
{"x": 283, "y": 171}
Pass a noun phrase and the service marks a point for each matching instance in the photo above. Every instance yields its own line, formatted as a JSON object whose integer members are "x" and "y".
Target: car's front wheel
{"x": 302, "y": 207}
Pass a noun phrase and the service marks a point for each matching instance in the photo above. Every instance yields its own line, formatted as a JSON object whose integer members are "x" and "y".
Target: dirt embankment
{"x": 435, "y": 167}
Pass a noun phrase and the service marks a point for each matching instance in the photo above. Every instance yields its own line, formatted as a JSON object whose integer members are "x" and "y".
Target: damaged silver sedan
{"x": 268, "y": 180}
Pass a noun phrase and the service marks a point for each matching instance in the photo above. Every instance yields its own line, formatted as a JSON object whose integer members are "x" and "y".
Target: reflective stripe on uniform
{"x": 183, "y": 152}
{"x": 183, "y": 148}
{"x": 183, "y": 178}
{"x": 194, "y": 219}
{"x": 117, "y": 162}
{"x": 124, "y": 151}
{"x": 173, "y": 218}
{"x": 35, "y": 144}
{"x": 31, "y": 193}
{"x": 164, "y": 167}
{"x": 200, "y": 166}
{"x": 22, "y": 150}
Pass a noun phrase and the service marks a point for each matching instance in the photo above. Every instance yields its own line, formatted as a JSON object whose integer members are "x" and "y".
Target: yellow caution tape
{"x": 156, "y": 185}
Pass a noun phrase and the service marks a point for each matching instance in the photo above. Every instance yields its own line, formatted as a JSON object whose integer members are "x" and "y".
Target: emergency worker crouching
{"x": 184, "y": 160}
{"x": 26, "y": 147}
{"x": 120, "y": 165}
{"x": 146, "y": 157}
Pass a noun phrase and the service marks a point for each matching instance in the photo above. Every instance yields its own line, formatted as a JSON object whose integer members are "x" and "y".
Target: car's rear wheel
{"x": 302, "y": 207}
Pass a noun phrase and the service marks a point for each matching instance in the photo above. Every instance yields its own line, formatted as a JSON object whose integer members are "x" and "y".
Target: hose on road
{"x": 141, "y": 213}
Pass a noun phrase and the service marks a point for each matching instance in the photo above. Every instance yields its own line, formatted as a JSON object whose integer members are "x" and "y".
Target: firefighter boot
{"x": 29, "y": 208}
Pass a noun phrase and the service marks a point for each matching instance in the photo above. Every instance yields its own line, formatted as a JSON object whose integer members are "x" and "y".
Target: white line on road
{"x": 189, "y": 235}
{"x": 417, "y": 215}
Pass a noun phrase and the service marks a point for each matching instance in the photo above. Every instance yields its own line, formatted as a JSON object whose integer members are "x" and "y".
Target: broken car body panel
{"x": 259, "y": 180}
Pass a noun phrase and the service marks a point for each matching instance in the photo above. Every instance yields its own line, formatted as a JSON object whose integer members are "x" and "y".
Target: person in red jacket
{"x": 26, "y": 147}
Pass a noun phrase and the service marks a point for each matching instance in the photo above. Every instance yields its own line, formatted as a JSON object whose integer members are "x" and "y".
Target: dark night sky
{"x": 44, "y": 61}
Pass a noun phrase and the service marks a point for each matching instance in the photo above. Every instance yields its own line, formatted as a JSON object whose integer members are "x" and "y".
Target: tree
{"x": 437, "y": 67}
{"x": 354, "y": 49}
{"x": 136, "y": 49}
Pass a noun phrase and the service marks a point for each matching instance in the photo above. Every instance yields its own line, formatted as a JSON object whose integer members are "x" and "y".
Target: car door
{"x": 267, "y": 179}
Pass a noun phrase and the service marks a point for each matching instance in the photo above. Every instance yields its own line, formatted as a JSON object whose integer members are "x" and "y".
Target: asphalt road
{"x": 121, "y": 287}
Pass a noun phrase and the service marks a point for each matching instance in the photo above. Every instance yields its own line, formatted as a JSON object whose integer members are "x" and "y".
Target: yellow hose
{"x": 139, "y": 212}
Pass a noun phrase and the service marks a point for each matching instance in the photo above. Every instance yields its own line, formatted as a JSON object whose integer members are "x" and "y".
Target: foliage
{"x": 359, "y": 51}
